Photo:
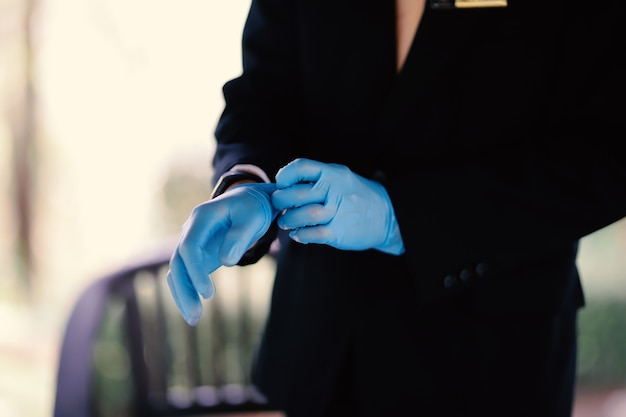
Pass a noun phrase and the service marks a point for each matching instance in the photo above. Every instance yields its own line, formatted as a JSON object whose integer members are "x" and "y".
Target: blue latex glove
{"x": 330, "y": 204}
{"x": 218, "y": 232}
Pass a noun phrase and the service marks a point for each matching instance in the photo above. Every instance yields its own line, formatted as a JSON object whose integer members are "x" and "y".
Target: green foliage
{"x": 602, "y": 344}
{"x": 112, "y": 369}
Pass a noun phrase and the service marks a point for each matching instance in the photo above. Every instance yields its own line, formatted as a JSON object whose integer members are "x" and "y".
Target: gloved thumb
{"x": 237, "y": 241}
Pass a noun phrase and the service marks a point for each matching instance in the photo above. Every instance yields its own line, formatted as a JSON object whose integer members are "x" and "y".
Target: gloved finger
{"x": 247, "y": 226}
{"x": 322, "y": 234}
{"x": 198, "y": 249}
{"x": 237, "y": 240}
{"x": 299, "y": 170}
{"x": 197, "y": 267}
{"x": 298, "y": 195}
{"x": 309, "y": 215}
{"x": 184, "y": 293}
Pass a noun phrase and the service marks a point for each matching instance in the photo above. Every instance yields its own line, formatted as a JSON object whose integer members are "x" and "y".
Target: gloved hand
{"x": 330, "y": 204}
{"x": 218, "y": 232}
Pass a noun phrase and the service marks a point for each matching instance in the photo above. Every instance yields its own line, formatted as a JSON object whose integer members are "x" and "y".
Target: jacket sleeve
{"x": 262, "y": 105}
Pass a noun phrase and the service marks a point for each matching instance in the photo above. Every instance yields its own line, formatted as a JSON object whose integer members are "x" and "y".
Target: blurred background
{"x": 107, "y": 110}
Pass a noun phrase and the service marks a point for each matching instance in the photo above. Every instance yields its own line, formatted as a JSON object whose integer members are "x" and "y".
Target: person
{"x": 426, "y": 171}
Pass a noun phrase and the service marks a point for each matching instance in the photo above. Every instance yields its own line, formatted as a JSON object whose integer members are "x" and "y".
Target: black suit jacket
{"x": 499, "y": 143}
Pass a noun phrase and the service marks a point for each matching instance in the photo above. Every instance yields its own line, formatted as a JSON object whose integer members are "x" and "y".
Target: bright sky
{"x": 126, "y": 89}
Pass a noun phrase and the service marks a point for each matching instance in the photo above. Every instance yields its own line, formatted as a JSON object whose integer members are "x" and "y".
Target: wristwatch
{"x": 231, "y": 177}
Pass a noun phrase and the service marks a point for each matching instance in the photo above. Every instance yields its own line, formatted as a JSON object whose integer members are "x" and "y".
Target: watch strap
{"x": 229, "y": 178}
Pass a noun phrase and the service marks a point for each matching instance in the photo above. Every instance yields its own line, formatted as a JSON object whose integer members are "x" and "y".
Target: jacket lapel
{"x": 436, "y": 40}
{"x": 368, "y": 57}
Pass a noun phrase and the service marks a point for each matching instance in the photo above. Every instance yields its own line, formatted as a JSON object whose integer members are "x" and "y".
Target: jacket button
{"x": 466, "y": 275}
{"x": 481, "y": 269}
{"x": 449, "y": 281}
{"x": 379, "y": 175}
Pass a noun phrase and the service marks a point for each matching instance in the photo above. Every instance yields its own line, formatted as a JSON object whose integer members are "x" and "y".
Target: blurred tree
{"x": 187, "y": 183}
{"x": 22, "y": 115}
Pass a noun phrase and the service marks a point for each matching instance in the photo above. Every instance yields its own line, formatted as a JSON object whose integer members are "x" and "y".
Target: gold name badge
{"x": 466, "y": 4}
